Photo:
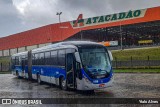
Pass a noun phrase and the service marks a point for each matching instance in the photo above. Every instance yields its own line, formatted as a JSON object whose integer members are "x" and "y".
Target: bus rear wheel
{"x": 39, "y": 79}
{"x": 17, "y": 74}
{"x": 63, "y": 84}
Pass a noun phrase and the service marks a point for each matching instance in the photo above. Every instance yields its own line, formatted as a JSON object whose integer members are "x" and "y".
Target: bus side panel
{"x": 48, "y": 74}
{"x": 26, "y": 71}
{"x": 18, "y": 69}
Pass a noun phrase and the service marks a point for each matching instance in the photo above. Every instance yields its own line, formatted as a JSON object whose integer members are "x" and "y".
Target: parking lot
{"x": 126, "y": 85}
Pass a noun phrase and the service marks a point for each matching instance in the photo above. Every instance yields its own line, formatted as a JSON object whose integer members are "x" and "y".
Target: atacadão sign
{"x": 108, "y": 18}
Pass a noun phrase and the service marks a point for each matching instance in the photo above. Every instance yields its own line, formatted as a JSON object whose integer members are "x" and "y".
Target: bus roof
{"x": 21, "y": 53}
{"x": 66, "y": 44}
{"x": 79, "y": 42}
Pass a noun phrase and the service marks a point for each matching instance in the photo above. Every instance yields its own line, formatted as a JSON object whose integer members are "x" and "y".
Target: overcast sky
{"x": 21, "y": 15}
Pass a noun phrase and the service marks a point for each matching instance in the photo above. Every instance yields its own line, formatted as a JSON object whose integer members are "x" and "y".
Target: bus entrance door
{"x": 70, "y": 68}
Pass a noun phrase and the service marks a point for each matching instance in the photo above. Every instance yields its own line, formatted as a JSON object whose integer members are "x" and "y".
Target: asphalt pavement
{"x": 126, "y": 85}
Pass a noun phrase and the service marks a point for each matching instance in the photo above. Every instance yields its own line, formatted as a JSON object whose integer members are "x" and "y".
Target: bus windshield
{"x": 95, "y": 60}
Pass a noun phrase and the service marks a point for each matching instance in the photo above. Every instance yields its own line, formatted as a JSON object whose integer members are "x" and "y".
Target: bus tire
{"x": 17, "y": 74}
{"x": 39, "y": 79}
{"x": 63, "y": 84}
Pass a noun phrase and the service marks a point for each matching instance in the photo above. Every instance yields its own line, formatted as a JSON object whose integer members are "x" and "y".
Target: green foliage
{"x": 5, "y": 72}
{"x": 137, "y": 54}
{"x": 4, "y": 60}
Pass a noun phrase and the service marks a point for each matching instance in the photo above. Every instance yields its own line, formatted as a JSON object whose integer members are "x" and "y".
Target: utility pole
{"x": 81, "y": 35}
{"x": 121, "y": 36}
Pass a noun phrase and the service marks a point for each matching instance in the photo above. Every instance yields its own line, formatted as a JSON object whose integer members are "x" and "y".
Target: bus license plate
{"x": 101, "y": 85}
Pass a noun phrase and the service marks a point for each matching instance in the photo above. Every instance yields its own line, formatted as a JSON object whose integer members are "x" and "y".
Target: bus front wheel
{"x": 63, "y": 84}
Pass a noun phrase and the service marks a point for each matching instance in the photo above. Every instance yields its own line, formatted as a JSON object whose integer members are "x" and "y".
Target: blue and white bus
{"x": 81, "y": 65}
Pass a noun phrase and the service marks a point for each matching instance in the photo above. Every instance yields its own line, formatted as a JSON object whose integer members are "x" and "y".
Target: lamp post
{"x": 59, "y": 14}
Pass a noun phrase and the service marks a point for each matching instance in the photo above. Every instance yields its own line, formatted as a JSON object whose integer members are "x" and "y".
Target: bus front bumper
{"x": 90, "y": 86}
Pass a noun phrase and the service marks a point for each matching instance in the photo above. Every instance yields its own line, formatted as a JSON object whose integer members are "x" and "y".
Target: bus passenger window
{"x": 61, "y": 57}
{"x": 70, "y": 50}
{"x": 17, "y": 60}
{"x": 53, "y": 60}
{"x": 26, "y": 60}
{"x": 33, "y": 59}
{"x": 47, "y": 58}
{"x": 41, "y": 56}
{"x": 36, "y": 59}
{"x": 12, "y": 62}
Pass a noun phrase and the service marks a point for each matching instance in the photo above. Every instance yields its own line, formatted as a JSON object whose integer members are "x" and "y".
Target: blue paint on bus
{"x": 98, "y": 81}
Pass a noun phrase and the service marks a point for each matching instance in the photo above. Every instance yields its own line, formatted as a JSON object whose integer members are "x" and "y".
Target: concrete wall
{"x": 0, "y": 53}
{"x": 31, "y": 47}
{"x": 13, "y": 51}
{"x": 48, "y": 43}
{"x": 6, "y": 52}
{"x": 41, "y": 45}
{"x": 21, "y": 49}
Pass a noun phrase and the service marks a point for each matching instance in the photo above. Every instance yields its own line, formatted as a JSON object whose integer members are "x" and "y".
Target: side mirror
{"x": 77, "y": 57}
{"x": 110, "y": 55}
